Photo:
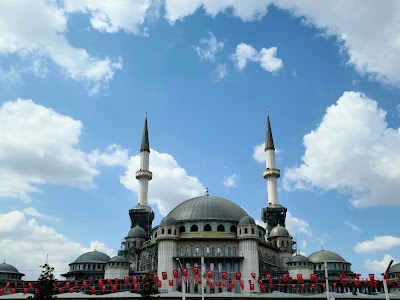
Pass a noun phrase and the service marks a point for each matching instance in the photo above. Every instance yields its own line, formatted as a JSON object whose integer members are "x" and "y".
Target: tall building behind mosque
{"x": 216, "y": 230}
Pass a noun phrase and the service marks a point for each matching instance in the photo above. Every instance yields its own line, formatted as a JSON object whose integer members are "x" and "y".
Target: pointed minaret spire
{"x": 145, "y": 138}
{"x": 144, "y": 175}
{"x": 271, "y": 173}
{"x": 269, "y": 141}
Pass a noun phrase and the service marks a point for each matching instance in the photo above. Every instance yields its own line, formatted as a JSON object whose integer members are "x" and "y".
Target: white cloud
{"x": 295, "y": 225}
{"x": 39, "y": 146}
{"x": 259, "y": 152}
{"x": 249, "y": 10}
{"x": 266, "y": 57}
{"x": 25, "y": 238}
{"x": 113, "y": 15}
{"x": 220, "y": 71}
{"x": 230, "y": 181}
{"x": 352, "y": 150}
{"x": 371, "y": 40}
{"x": 376, "y": 266}
{"x": 30, "y": 211}
{"x": 352, "y": 226}
{"x": 170, "y": 185}
{"x": 40, "y": 35}
{"x": 379, "y": 243}
{"x": 209, "y": 48}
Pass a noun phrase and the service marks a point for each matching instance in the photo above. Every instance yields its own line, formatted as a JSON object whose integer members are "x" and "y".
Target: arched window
{"x": 259, "y": 234}
{"x": 223, "y": 250}
{"x": 240, "y": 231}
{"x": 181, "y": 252}
{"x": 155, "y": 235}
{"x": 191, "y": 250}
{"x": 207, "y": 227}
{"x": 169, "y": 231}
{"x": 252, "y": 231}
{"x": 234, "y": 251}
{"x": 218, "y": 251}
{"x": 197, "y": 251}
{"x": 187, "y": 251}
{"x": 162, "y": 231}
{"x": 202, "y": 251}
{"x": 229, "y": 251}
{"x": 181, "y": 229}
{"x": 194, "y": 228}
{"x": 221, "y": 227}
{"x": 208, "y": 250}
{"x": 245, "y": 231}
{"x": 212, "y": 251}
{"x": 233, "y": 228}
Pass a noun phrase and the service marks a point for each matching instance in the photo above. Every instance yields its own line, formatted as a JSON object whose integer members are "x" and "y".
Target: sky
{"x": 77, "y": 78}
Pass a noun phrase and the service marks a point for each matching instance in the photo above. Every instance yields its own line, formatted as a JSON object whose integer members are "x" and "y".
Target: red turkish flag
{"x": 269, "y": 277}
{"x": 109, "y": 281}
{"x": 175, "y": 273}
{"x": 300, "y": 278}
{"x": 334, "y": 285}
{"x": 71, "y": 290}
{"x": 93, "y": 289}
{"x": 143, "y": 277}
{"x": 223, "y": 283}
{"x": 199, "y": 281}
{"x": 251, "y": 286}
{"x": 134, "y": 279}
{"x": 114, "y": 288}
{"x": 184, "y": 272}
{"x": 224, "y": 275}
{"x": 30, "y": 285}
{"x": 253, "y": 275}
{"x": 271, "y": 285}
{"x": 67, "y": 285}
{"x": 262, "y": 286}
{"x": 357, "y": 276}
{"x": 103, "y": 289}
{"x": 238, "y": 275}
{"x": 217, "y": 283}
{"x": 60, "y": 290}
{"x": 196, "y": 270}
{"x": 293, "y": 286}
{"x": 342, "y": 276}
{"x": 371, "y": 277}
{"x": 171, "y": 282}
{"x": 164, "y": 275}
{"x": 314, "y": 277}
{"x": 25, "y": 291}
{"x": 159, "y": 284}
{"x": 135, "y": 287}
{"x": 116, "y": 280}
{"x": 286, "y": 277}
{"x": 231, "y": 285}
{"x": 385, "y": 276}
{"x": 155, "y": 277}
{"x": 1, "y": 291}
{"x": 241, "y": 284}
{"x": 313, "y": 287}
{"x": 126, "y": 280}
{"x": 303, "y": 287}
{"x": 84, "y": 284}
{"x": 324, "y": 286}
{"x": 209, "y": 274}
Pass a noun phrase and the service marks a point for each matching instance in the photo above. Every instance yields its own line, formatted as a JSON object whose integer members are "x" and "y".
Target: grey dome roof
{"x": 324, "y": 255}
{"x": 395, "y": 268}
{"x": 278, "y": 230}
{"x": 299, "y": 258}
{"x": 6, "y": 268}
{"x": 137, "y": 231}
{"x": 168, "y": 221}
{"x": 247, "y": 220}
{"x": 119, "y": 259}
{"x": 93, "y": 257}
{"x": 207, "y": 207}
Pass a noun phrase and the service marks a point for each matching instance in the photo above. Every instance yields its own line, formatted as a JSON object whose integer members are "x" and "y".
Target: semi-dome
{"x": 6, "y": 268}
{"x": 324, "y": 255}
{"x": 92, "y": 257}
{"x": 247, "y": 220}
{"x": 395, "y": 268}
{"x": 137, "y": 231}
{"x": 166, "y": 221}
{"x": 299, "y": 258}
{"x": 118, "y": 259}
{"x": 206, "y": 208}
{"x": 278, "y": 230}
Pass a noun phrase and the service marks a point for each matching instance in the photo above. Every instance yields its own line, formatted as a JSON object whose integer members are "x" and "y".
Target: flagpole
{"x": 385, "y": 288}
{"x": 202, "y": 278}
{"x": 326, "y": 280}
{"x": 183, "y": 280}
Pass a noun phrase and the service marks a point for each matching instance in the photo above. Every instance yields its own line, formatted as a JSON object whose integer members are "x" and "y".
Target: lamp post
{"x": 202, "y": 277}
{"x": 183, "y": 280}
{"x": 326, "y": 280}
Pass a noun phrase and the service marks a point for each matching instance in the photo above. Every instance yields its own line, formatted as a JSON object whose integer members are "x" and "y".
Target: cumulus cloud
{"x": 247, "y": 11}
{"x": 295, "y": 225}
{"x": 113, "y": 15}
{"x": 171, "y": 184}
{"x": 30, "y": 211}
{"x": 352, "y": 150}
{"x": 379, "y": 243}
{"x": 371, "y": 41}
{"x": 259, "y": 152}
{"x": 39, "y": 146}
{"x": 376, "y": 266}
{"x": 208, "y": 48}
{"x": 41, "y": 36}
{"x": 25, "y": 238}
{"x": 266, "y": 57}
{"x": 352, "y": 226}
{"x": 220, "y": 71}
{"x": 230, "y": 181}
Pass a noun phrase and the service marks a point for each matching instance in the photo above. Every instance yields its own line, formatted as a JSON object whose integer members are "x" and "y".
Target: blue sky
{"x": 77, "y": 78}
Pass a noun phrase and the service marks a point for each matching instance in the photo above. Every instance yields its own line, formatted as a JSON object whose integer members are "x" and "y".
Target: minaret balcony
{"x": 144, "y": 174}
{"x": 271, "y": 173}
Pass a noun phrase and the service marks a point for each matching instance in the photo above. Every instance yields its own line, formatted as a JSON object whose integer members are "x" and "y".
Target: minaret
{"x": 142, "y": 214}
{"x": 143, "y": 174}
{"x": 274, "y": 214}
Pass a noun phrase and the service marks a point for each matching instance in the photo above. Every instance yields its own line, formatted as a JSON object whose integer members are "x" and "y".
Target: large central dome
{"x": 206, "y": 208}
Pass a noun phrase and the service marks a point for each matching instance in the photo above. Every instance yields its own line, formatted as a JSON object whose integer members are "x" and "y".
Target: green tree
{"x": 45, "y": 283}
{"x": 149, "y": 288}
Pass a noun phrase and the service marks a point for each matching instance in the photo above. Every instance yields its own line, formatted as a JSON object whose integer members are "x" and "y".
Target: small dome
{"x": 119, "y": 259}
{"x": 168, "y": 221}
{"x": 324, "y": 255}
{"x": 91, "y": 257}
{"x": 299, "y": 258}
{"x": 6, "y": 268}
{"x": 278, "y": 230}
{"x": 246, "y": 220}
{"x": 395, "y": 268}
{"x": 137, "y": 231}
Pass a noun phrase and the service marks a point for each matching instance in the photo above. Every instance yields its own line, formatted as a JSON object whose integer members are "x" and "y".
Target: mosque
{"x": 210, "y": 243}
